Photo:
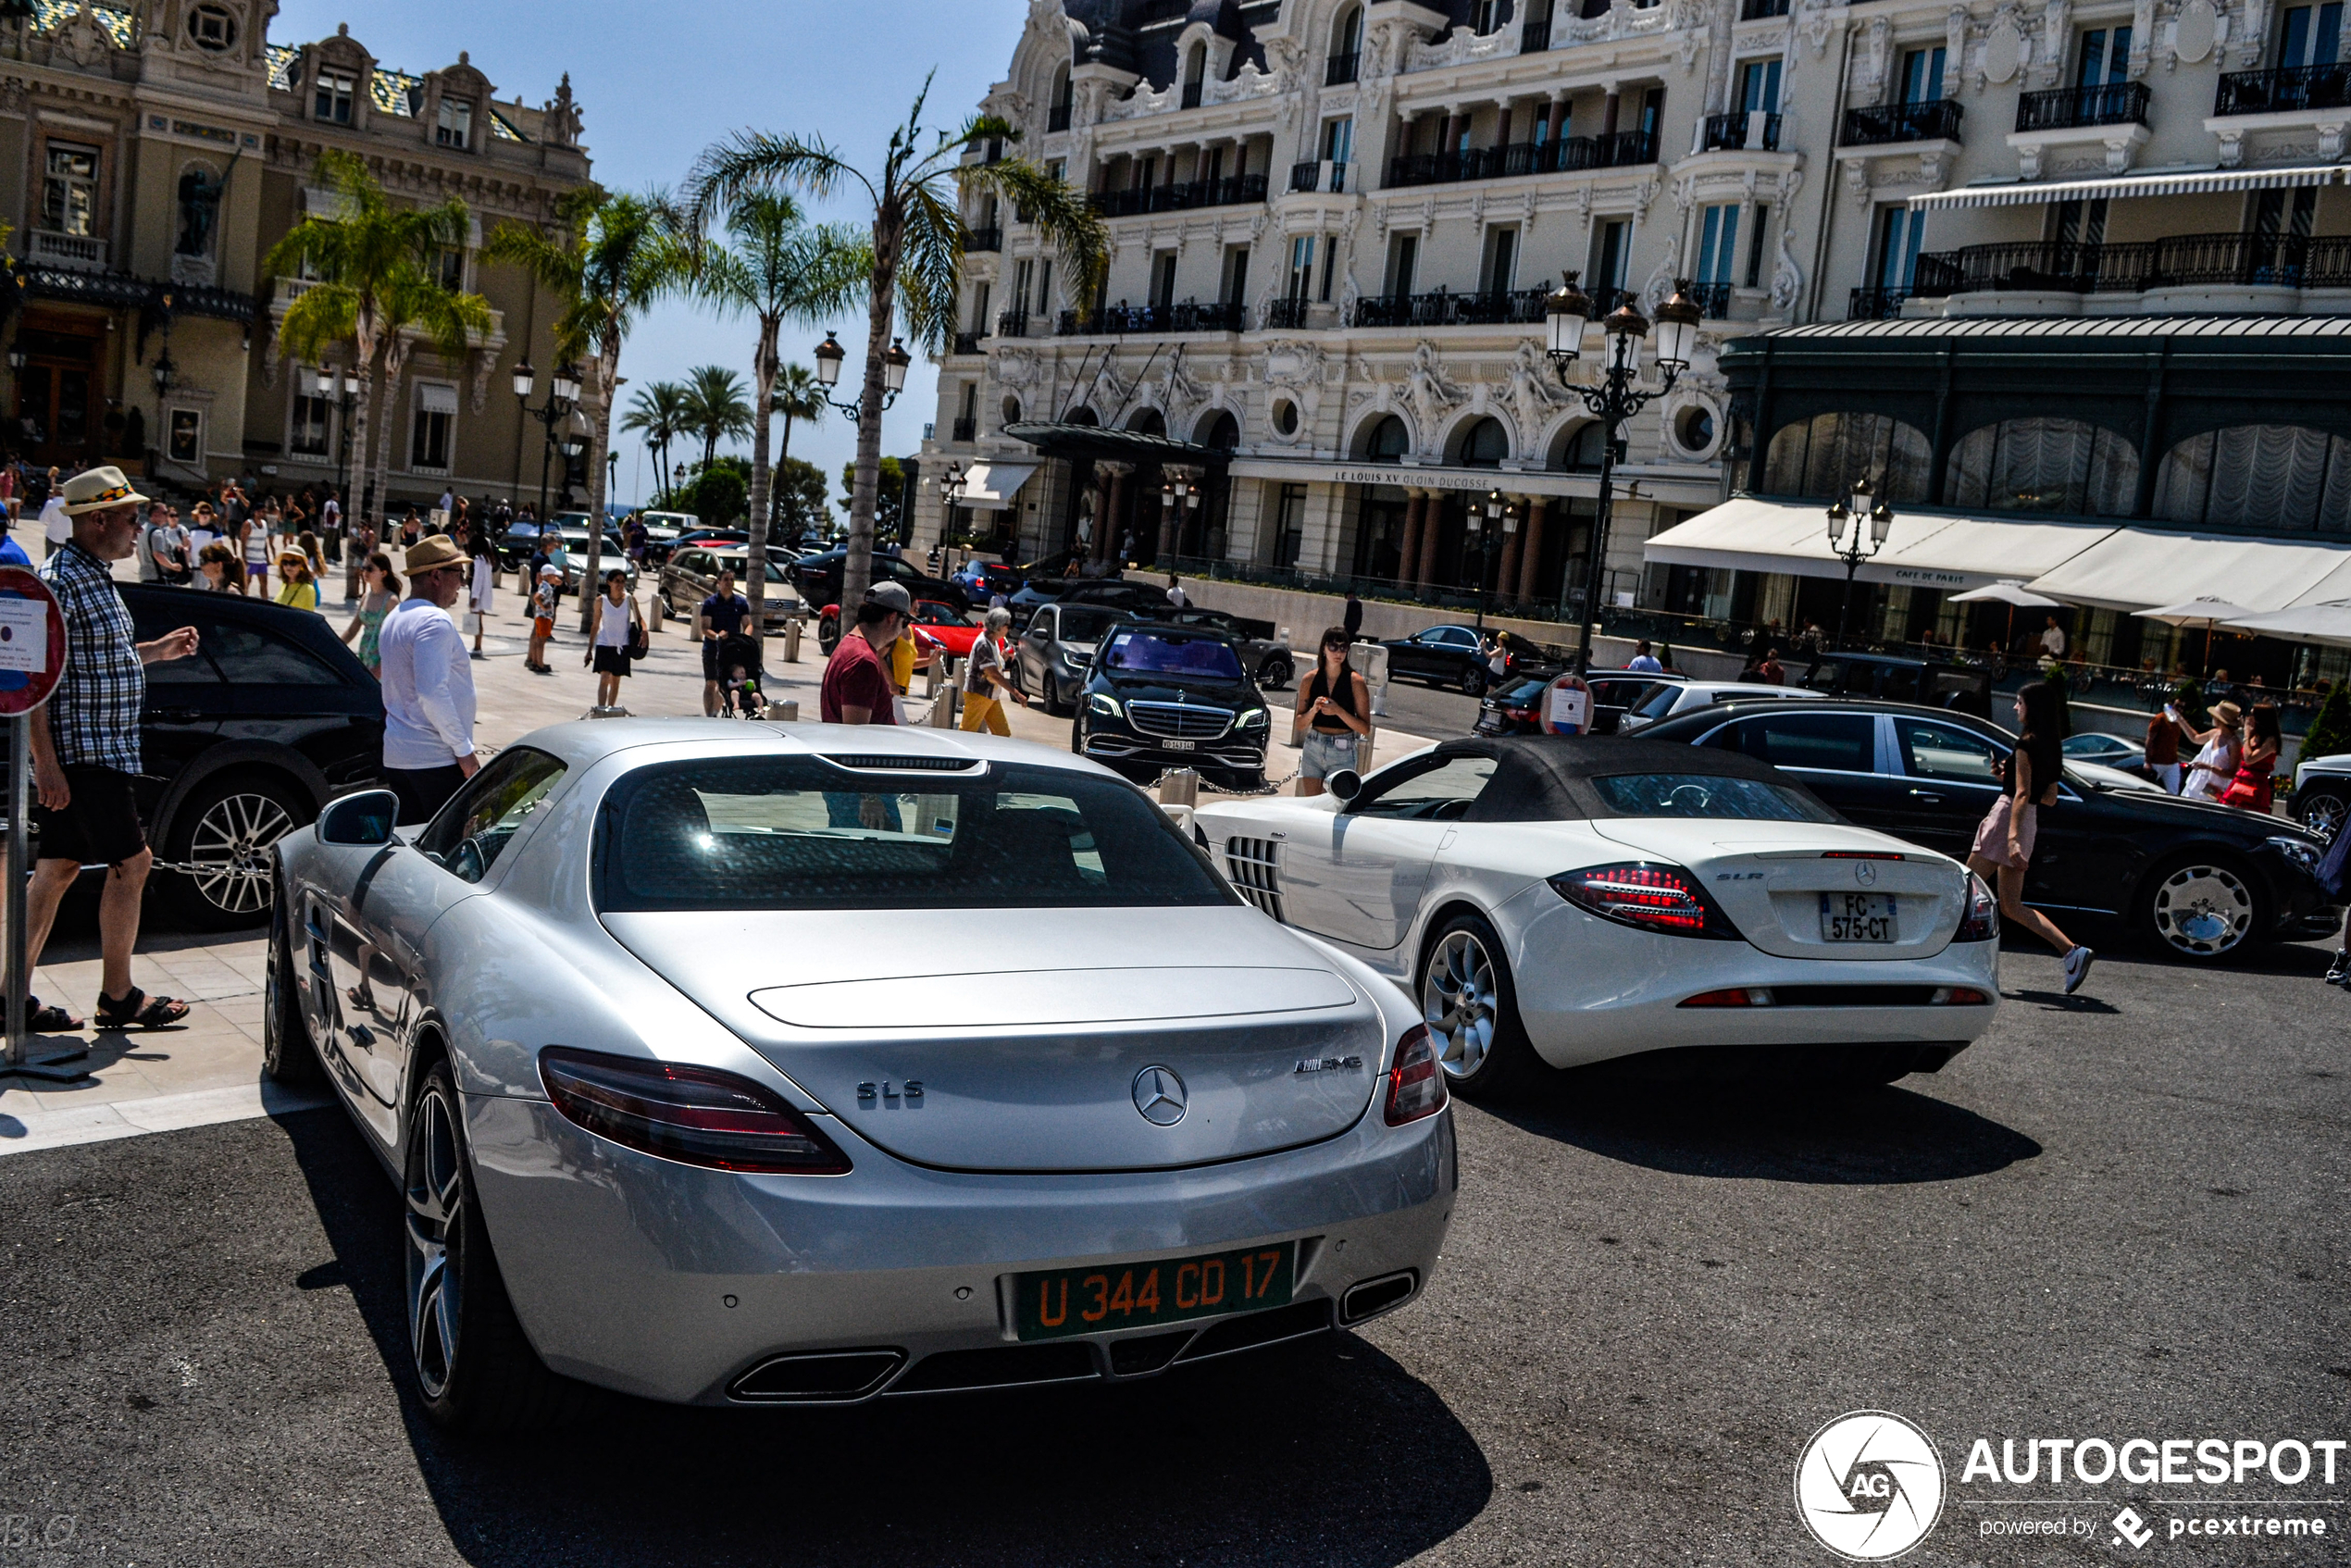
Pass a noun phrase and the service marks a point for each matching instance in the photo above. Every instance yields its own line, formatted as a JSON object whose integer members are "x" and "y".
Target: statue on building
{"x": 200, "y": 193}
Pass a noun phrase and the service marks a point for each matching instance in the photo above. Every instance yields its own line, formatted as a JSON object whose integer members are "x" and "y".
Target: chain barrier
{"x": 1272, "y": 786}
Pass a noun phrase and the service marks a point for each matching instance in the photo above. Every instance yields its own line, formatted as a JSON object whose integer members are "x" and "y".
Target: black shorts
{"x": 710, "y": 670}
{"x": 423, "y": 790}
{"x": 99, "y": 826}
{"x": 611, "y": 660}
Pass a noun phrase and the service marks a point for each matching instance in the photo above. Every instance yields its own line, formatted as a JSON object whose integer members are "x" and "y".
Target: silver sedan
{"x": 739, "y": 1064}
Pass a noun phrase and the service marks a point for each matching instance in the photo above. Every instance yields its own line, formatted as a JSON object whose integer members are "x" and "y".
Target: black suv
{"x": 244, "y": 743}
{"x": 1159, "y": 696}
{"x": 819, "y": 579}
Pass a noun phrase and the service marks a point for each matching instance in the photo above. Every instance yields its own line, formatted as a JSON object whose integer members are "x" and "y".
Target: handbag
{"x": 640, "y": 644}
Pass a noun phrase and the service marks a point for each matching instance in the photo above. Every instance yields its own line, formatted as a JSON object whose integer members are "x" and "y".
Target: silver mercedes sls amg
{"x": 726, "y": 1064}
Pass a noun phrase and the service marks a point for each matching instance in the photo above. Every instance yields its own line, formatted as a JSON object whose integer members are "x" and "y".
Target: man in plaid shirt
{"x": 85, "y": 751}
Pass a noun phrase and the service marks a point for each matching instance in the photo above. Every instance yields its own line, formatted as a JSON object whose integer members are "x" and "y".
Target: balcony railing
{"x": 1731, "y": 133}
{"x": 2289, "y": 261}
{"x": 1535, "y": 36}
{"x": 1341, "y": 69}
{"x": 1309, "y": 177}
{"x": 1568, "y": 155}
{"x": 2278, "y": 92}
{"x": 1875, "y": 305}
{"x": 83, "y": 252}
{"x": 1012, "y": 324}
{"x": 1714, "y": 300}
{"x": 968, "y": 343}
{"x": 1191, "y": 94}
{"x": 1057, "y": 118}
{"x": 1444, "y": 308}
{"x": 1876, "y": 124}
{"x": 2118, "y": 103}
{"x": 965, "y": 429}
{"x": 1285, "y": 315}
{"x": 989, "y": 239}
{"x": 1759, "y": 10}
{"x": 1217, "y": 316}
{"x": 1234, "y": 191}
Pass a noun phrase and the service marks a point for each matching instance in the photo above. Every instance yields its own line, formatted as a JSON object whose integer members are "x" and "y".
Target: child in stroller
{"x": 739, "y": 675}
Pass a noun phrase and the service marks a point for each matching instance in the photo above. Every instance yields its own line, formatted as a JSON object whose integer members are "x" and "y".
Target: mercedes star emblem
{"x": 1864, "y": 873}
{"x": 1158, "y": 1095}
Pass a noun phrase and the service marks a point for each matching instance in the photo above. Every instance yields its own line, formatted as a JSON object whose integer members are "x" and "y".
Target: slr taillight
{"x": 1415, "y": 1083}
{"x": 1650, "y": 894}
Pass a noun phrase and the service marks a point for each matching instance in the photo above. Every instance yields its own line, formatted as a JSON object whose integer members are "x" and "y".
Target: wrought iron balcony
{"x": 2064, "y": 108}
{"x": 1235, "y": 191}
{"x": 2285, "y": 90}
{"x": 1012, "y": 324}
{"x": 1306, "y": 176}
{"x": 1341, "y": 69}
{"x": 1730, "y": 133}
{"x": 1535, "y": 36}
{"x": 1759, "y": 10}
{"x": 1445, "y": 308}
{"x": 2242, "y": 260}
{"x": 1714, "y": 300}
{"x": 1216, "y": 316}
{"x": 989, "y": 239}
{"x": 1057, "y": 118}
{"x": 965, "y": 429}
{"x": 1875, "y": 305}
{"x": 1625, "y": 147}
{"x": 1285, "y": 315}
{"x": 1191, "y": 94}
{"x": 968, "y": 343}
{"x": 1876, "y": 124}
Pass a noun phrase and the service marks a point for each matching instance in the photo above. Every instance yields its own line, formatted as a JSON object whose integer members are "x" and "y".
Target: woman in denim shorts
{"x": 1334, "y": 714}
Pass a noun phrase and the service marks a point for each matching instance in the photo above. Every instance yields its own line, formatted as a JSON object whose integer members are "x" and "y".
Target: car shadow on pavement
{"x": 1866, "y": 1137}
{"x": 1327, "y": 1452}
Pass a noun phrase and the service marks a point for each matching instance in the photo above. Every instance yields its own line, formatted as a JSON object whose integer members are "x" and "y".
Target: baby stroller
{"x": 739, "y": 676}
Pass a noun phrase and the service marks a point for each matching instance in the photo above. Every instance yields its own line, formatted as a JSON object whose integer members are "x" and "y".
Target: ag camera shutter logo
{"x": 1868, "y": 1485}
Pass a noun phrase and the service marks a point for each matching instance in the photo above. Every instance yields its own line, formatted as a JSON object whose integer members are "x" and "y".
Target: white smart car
{"x": 1676, "y": 912}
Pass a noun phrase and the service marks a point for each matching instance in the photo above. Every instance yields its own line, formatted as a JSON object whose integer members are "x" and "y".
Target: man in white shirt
{"x": 428, "y": 684}
{"x": 55, "y": 527}
{"x": 1643, "y": 660}
{"x": 1176, "y": 594}
{"x": 2053, "y": 639}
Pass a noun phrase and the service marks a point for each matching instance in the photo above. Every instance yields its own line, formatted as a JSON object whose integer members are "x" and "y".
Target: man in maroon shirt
{"x": 857, "y": 688}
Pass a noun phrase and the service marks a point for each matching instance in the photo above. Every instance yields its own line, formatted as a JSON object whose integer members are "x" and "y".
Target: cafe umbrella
{"x": 2013, "y": 593}
{"x": 2206, "y": 612}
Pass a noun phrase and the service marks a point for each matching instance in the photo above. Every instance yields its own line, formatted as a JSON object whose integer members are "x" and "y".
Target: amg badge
{"x": 1330, "y": 1065}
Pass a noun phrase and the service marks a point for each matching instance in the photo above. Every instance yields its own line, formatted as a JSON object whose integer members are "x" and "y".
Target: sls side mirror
{"x": 363, "y": 820}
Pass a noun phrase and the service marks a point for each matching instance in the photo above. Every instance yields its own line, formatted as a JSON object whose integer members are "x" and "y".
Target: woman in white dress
{"x": 485, "y": 584}
{"x": 2215, "y": 768}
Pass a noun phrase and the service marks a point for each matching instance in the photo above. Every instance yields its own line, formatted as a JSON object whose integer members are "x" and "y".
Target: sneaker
{"x": 2077, "y": 968}
{"x": 2339, "y": 972}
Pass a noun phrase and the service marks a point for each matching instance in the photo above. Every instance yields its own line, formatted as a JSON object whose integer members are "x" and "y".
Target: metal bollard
{"x": 791, "y": 641}
{"x": 654, "y": 614}
{"x": 784, "y": 712}
{"x": 943, "y": 707}
{"x": 1179, "y": 786}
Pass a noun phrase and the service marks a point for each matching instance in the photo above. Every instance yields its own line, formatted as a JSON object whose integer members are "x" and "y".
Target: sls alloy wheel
{"x": 232, "y": 841}
{"x": 436, "y": 1196}
{"x": 1457, "y": 998}
{"x": 2202, "y": 911}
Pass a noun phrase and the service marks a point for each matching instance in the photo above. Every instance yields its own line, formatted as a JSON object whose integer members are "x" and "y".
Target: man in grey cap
{"x": 857, "y": 687}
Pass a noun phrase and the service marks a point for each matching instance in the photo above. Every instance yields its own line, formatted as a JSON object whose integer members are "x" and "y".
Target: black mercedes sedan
{"x": 2193, "y": 879}
{"x": 1159, "y": 696}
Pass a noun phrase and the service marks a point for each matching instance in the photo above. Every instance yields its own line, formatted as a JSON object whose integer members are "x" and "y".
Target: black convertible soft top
{"x": 1548, "y": 777}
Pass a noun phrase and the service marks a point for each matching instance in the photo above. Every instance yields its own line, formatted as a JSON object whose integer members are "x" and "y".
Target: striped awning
{"x": 2122, "y": 187}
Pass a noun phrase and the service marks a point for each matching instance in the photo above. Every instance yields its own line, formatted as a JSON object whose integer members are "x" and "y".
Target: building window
{"x": 428, "y": 427}
{"x": 69, "y": 195}
{"x": 1339, "y": 140}
{"x": 1403, "y": 260}
{"x": 449, "y": 266}
{"x": 184, "y": 442}
{"x": 1821, "y": 457}
{"x": 312, "y": 431}
{"x": 212, "y": 29}
{"x": 1163, "y": 278}
{"x": 2106, "y": 58}
{"x": 1610, "y": 239}
{"x": 1289, "y": 525}
{"x": 1057, "y": 169}
{"x": 330, "y": 100}
{"x": 979, "y": 309}
{"x": 2043, "y": 464}
{"x": 2078, "y": 223}
{"x": 1484, "y": 16}
{"x": 456, "y": 125}
{"x": 1923, "y": 76}
{"x": 1718, "y": 242}
{"x": 1044, "y": 285}
{"x": 2268, "y": 477}
{"x": 1759, "y": 86}
{"x": 1899, "y": 231}
{"x": 2310, "y": 35}
{"x": 1300, "y": 285}
{"x": 1501, "y": 260}
{"x": 1755, "y": 248}
{"x": 1235, "y": 274}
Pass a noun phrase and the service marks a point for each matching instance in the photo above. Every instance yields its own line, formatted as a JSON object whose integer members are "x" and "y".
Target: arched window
{"x": 1579, "y": 449}
{"x": 1219, "y": 433}
{"x": 2044, "y": 466}
{"x": 1147, "y": 422}
{"x": 1081, "y": 414}
{"x": 1347, "y": 33}
{"x": 1064, "y": 96}
{"x": 2266, "y": 476}
{"x": 1484, "y": 445}
{"x": 1823, "y": 455}
{"x": 1388, "y": 442}
{"x": 1195, "y": 72}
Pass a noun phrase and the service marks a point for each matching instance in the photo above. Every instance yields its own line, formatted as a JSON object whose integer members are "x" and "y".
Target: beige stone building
{"x": 151, "y": 154}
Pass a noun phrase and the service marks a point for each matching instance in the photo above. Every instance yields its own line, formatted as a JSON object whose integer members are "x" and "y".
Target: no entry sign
{"x": 33, "y": 641}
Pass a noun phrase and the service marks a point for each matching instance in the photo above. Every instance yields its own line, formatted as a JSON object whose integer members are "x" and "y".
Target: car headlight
{"x": 2300, "y": 851}
{"x": 1252, "y": 719}
{"x": 1103, "y": 702}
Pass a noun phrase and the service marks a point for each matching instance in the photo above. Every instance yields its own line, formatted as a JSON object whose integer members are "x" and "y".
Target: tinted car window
{"x": 250, "y": 656}
{"x": 150, "y": 620}
{"x": 798, "y": 833}
{"x": 468, "y": 834}
{"x": 1081, "y": 625}
{"x": 1941, "y": 751}
{"x": 1657, "y": 700}
{"x": 1841, "y": 743}
{"x": 1171, "y": 653}
{"x": 1441, "y": 794}
{"x": 1708, "y": 796}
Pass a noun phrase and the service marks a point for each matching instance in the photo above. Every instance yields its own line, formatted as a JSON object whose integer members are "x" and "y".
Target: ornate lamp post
{"x": 1615, "y": 399}
{"x": 563, "y": 396}
{"x": 951, "y": 495}
{"x": 1173, "y": 497}
{"x": 342, "y": 389}
{"x": 1501, "y": 519}
{"x": 830, "y": 356}
{"x": 1847, "y": 515}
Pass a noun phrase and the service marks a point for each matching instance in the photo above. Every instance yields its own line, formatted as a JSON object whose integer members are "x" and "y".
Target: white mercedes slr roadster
{"x": 1672, "y": 911}
{"x": 737, "y": 1063}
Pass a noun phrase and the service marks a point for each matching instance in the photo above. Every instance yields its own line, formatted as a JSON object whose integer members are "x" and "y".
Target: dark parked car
{"x": 1517, "y": 709}
{"x": 1054, "y": 652}
{"x": 1159, "y": 696}
{"x": 818, "y": 578}
{"x": 1268, "y": 657}
{"x": 2197, "y": 879}
{"x": 244, "y": 743}
{"x": 1454, "y": 655}
{"x": 1890, "y": 677}
{"x": 983, "y": 579}
{"x": 691, "y": 576}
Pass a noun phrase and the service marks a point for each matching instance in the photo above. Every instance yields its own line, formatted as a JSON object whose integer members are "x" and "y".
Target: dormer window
{"x": 70, "y": 192}
{"x": 330, "y": 100}
{"x": 449, "y": 266}
{"x": 212, "y": 29}
{"x": 1484, "y": 16}
{"x": 455, "y": 128}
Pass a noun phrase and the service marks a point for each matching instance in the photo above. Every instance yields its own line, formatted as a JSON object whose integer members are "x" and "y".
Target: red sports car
{"x": 936, "y": 626}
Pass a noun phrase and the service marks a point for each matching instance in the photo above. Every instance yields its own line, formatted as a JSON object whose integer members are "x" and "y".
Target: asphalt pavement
{"x": 2118, "y": 1215}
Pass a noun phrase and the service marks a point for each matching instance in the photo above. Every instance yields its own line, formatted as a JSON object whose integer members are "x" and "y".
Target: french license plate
{"x": 1177, "y": 745}
{"x": 1059, "y": 1303}
{"x": 1857, "y": 917}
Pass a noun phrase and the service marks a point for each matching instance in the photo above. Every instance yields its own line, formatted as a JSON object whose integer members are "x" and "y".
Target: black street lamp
{"x": 1845, "y": 516}
{"x": 830, "y": 356}
{"x": 951, "y": 493}
{"x": 1501, "y": 522}
{"x": 342, "y": 389}
{"x": 1175, "y": 500}
{"x": 1615, "y": 399}
{"x": 563, "y": 397}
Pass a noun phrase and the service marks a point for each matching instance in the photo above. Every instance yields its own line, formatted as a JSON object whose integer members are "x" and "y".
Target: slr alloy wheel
{"x": 1457, "y": 1001}
{"x": 2201, "y": 910}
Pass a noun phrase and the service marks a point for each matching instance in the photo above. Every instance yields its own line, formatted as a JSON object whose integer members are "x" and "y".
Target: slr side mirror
{"x": 1346, "y": 784}
{"x": 363, "y": 820}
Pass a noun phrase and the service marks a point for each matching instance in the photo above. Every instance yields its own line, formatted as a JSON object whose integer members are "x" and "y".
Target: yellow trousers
{"x": 985, "y": 713}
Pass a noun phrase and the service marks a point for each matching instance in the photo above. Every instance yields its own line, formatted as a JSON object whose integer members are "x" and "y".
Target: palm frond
{"x": 931, "y": 265}
{"x": 1064, "y": 218}
{"x": 751, "y": 161}
{"x": 321, "y": 317}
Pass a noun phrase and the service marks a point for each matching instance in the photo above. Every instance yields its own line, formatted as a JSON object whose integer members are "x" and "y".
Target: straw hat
{"x": 97, "y": 490}
{"x": 2229, "y": 714}
{"x": 435, "y": 550}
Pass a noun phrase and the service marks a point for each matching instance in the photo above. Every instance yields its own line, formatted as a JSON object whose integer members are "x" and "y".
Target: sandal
{"x": 50, "y": 1020}
{"x": 137, "y": 1010}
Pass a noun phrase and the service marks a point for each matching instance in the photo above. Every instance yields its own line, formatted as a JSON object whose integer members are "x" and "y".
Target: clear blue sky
{"x": 658, "y": 83}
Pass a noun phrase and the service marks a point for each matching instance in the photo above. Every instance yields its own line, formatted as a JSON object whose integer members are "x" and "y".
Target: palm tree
{"x": 714, "y": 408}
{"x": 611, "y": 256}
{"x": 779, "y": 269}
{"x": 419, "y": 306}
{"x": 363, "y": 255}
{"x": 658, "y": 413}
{"x": 918, "y": 238}
{"x": 797, "y": 396}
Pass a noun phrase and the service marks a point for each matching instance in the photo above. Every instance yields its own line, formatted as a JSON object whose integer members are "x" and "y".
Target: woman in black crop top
{"x": 1334, "y": 714}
